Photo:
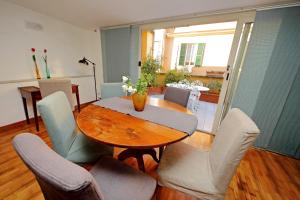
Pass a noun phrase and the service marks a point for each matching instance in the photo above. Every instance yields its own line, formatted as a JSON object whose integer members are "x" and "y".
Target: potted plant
{"x": 174, "y": 76}
{"x": 149, "y": 69}
{"x": 138, "y": 92}
{"x": 214, "y": 92}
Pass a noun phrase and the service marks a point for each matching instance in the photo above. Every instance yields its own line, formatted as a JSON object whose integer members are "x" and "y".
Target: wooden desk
{"x": 137, "y": 135}
{"x": 34, "y": 93}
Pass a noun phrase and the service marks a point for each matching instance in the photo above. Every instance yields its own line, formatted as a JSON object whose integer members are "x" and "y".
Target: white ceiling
{"x": 99, "y": 13}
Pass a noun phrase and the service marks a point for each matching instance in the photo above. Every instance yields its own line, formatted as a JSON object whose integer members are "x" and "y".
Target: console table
{"x": 34, "y": 93}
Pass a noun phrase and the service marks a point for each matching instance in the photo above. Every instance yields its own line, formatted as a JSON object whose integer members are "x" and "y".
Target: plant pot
{"x": 139, "y": 101}
{"x": 154, "y": 90}
{"x": 211, "y": 97}
{"x": 163, "y": 89}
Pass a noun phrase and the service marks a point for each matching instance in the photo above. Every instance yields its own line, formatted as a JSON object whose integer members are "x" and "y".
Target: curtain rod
{"x": 202, "y": 14}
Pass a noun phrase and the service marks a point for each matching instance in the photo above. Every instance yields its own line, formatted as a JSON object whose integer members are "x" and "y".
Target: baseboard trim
{"x": 31, "y": 120}
{"x": 16, "y": 124}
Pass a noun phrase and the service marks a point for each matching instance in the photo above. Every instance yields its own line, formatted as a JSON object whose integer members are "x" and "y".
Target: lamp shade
{"x": 83, "y": 61}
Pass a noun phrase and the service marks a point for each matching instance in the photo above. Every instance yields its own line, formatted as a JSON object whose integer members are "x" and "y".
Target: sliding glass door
{"x": 235, "y": 61}
{"x": 237, "y": 66}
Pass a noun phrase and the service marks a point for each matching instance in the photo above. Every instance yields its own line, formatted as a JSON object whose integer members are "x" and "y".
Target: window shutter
{"x": 182, "y": 54}
{"x": 200, "y": 54}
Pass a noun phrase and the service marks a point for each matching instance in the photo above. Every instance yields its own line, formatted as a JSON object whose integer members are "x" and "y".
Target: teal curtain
{"x": 134, "y": 56}
{"x": 259, "y": 52}
{"x": 266, "y": 90}
{"x": 287, "y": 130}
{"x": 120, "y": 53}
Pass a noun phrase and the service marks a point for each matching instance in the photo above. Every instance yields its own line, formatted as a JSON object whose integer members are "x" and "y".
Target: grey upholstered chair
{"x": 49, "y": 86}
{"x": 207, "y": 174}
{"x": 111, "y": 90}
{"x": 61, "y": 179}
{"x": 66, "y": 138}
{"x": 177, "y": 95}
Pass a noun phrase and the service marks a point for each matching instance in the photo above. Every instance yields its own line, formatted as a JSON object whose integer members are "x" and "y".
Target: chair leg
{"x": 138, "y": 154}
{"x": 161, "y": 150}
{"x": 157, "y": 192}
{"x": 140, "y": 162}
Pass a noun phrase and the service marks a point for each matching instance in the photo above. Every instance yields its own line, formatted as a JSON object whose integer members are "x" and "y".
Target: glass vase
{"x": 139, "y": 101}
{"x": 47, "y": 72}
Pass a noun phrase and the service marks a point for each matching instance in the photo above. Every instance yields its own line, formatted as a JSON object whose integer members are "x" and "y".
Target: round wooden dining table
{"x": 137, "y": 135}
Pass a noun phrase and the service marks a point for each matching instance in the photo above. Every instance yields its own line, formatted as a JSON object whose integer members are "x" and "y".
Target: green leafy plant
{"x": 174, "y": 76}
{"x": 140, "y": 87}
{"x": 214, "y": 86}
{"x": 149, "y": 69}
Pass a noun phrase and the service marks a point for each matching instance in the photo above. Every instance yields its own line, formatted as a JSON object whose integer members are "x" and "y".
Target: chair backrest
{"x": 58, "y": 118}
{"x": 49, "y": 86}
{"x": 111, "y": 90}
{"x": 57, "y": 177}
{"x": 234, "y": 137}
{"x": 177, "y": 95}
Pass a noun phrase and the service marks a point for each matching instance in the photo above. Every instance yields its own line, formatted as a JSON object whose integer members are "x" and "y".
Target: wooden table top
{"x": 121, "y": 130}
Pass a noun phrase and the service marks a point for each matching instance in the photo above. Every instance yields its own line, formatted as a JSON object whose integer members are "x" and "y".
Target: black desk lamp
{"x": 86, "y": 62}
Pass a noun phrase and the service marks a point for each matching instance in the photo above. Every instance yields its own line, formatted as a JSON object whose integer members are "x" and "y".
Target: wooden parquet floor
{"x": 261, "y": 174}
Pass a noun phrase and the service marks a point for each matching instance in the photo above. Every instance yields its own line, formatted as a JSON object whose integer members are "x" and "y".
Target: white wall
{"x": 217, "y": 49}
{"x": 66, "y": 44}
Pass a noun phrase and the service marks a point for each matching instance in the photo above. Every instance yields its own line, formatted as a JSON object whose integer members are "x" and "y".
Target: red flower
{"x": 33, "y": 50}
{"x": 45, "y": 50}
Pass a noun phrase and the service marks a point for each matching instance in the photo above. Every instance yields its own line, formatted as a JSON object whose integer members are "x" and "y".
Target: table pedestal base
{"x": 138, "y": 155}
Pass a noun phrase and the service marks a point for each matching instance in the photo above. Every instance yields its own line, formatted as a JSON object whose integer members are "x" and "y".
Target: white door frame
{"x": 241, "y": 18}
{"x": 232, "y": 69}
{"x": 238, "y": 64}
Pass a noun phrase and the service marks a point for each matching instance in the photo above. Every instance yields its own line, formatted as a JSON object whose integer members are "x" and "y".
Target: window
{"x": 158, "y": 44}
{"x": 191, "y": 54}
